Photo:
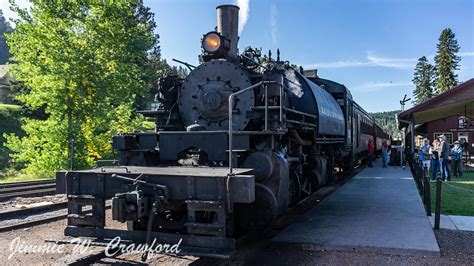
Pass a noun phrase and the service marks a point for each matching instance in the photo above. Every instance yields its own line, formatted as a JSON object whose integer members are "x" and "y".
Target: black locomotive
{"x": 237, "y": 142}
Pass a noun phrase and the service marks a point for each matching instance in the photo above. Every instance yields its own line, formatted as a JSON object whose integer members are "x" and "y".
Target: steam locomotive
{"x": 238, "y": 141}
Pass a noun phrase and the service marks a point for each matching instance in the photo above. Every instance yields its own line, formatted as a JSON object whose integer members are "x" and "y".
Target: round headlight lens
{"x": 211, "y": 42}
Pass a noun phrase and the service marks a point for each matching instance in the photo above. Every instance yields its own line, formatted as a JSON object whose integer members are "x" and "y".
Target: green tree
{"x": 447, "y": 62}
{"x": 83, "y": 63}
{"x": 4, "y": 29}
{"x": 180, "y": 71}
{"x": 423, "y": 80}
{"x": 387, "y": 121}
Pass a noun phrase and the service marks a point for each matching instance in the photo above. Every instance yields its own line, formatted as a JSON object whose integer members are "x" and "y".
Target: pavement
{"x": 377, "y": 210}
{"x": 454, "y": 222}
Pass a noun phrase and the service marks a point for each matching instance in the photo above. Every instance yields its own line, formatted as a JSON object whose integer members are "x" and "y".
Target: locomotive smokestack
{"x": 228, "y": 26}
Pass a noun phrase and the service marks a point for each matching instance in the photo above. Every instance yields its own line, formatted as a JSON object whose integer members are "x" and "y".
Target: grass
{"x": 4, "y": 106}
{"x": 9, "y": 176}
{"x": 455, "y": 201}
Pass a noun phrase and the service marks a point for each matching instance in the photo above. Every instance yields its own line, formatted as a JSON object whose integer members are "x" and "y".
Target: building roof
{"x": 3, "y": 71}
{"x": 456, "y": 101}
{"x": 4, "y": 75}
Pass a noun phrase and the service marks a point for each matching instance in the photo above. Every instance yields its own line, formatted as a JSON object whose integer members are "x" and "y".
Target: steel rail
{"x": 31, "y": 210}
{"x": 26, "y": 183}
{"x": 29, "y": 193}
{"x": 56, "y": 217}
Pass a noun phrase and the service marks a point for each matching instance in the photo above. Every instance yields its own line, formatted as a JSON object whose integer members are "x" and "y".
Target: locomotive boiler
{"x": 237, "y": 142}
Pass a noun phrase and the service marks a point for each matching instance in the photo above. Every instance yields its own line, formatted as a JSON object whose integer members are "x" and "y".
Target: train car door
{"x": 349, "y": 128}
{"x": 357, "y": 130}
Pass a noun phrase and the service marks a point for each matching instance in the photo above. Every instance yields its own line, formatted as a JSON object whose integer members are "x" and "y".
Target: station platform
{"x": 378, "y": 210}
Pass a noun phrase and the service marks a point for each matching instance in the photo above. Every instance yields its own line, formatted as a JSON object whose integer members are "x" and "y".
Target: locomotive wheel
{"x": 294, "y": 189}
{"x": 306, "y": 187}
{"x": 264, "y": 207}
{"x": 348, "y": 165}
{"x": 257, "y": 215}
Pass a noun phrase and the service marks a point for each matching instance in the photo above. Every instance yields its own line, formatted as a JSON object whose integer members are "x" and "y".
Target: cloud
{"x": 377, "y": 86}
{"x": 338, "y": 64}
{"x": 243, "y": 14}
{"x": 273, "y": 23}
{"x": 373, "y": 60}
{"x": 465, "y": 54}
{"x": 401, "y": 63}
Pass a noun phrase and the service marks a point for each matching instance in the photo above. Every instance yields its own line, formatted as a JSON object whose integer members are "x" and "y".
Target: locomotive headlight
{"x": 211, "y": 42}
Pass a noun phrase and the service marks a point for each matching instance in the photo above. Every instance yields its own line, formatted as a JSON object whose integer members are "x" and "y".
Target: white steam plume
{"x": 243, "y": 14}
{"x": 293, "y": 83}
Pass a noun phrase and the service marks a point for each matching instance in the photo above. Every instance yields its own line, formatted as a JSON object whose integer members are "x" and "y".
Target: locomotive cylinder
{"x": 228, "y": 26}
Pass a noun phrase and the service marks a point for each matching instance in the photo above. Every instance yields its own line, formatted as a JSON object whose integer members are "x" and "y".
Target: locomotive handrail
{"x": 231, "y": 101}
{"x": 231, "y": 131}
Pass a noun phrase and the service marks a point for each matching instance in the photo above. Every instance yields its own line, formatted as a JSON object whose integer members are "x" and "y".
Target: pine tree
{"x": 446, "y": 61}
{"x": 4, "y": 28}
{"x": 423, "y": 79}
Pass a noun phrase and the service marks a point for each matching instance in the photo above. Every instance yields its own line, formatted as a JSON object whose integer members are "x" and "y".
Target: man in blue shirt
{"x": 456, "y": 158}
{"x": 425, "y": 154}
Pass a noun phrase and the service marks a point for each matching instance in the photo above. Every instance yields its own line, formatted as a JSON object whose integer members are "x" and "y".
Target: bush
{"x": 10, "y": 122}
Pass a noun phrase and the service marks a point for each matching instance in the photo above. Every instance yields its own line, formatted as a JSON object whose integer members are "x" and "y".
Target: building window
{"x": 449, "y": 136}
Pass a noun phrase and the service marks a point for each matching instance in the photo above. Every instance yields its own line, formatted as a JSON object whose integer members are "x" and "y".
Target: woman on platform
{"x": 434, "y": 152}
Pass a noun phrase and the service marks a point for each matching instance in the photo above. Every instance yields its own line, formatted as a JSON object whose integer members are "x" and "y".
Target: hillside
{"x": 388, "y": 122}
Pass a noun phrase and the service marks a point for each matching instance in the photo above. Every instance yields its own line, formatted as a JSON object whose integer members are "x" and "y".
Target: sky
{"x": 371, "y": 46}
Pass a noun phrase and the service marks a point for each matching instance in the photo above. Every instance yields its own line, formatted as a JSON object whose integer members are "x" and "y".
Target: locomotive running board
{"x": 190, "y": 245}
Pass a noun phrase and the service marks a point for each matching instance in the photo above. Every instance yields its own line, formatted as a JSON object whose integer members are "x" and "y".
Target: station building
{"x": 5, "y": 91}
{"x": 450, "y": 113}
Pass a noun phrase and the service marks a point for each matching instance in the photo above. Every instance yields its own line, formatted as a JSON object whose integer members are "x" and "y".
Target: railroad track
{"x": 27, "y": 189}
{"x": 24, "y": 218}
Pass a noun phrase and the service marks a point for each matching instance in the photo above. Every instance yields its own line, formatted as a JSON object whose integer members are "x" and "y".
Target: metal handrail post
{"x": 281, "y": 99}
{"x": 427, "y": 191}
{"x": 438, "y": 204}
{"x": 231, "y": 101}
{"x": 266, "y": 107}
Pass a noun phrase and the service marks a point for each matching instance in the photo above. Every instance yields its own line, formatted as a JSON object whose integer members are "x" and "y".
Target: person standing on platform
{"x": 456, "y": 159}
{"x": 370, "y": 150}
{"x": 384, "y": 153}
{"x": 425, "y": 157}
{"x": 443, "y": 158}
{"x": 434, "y": 152}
